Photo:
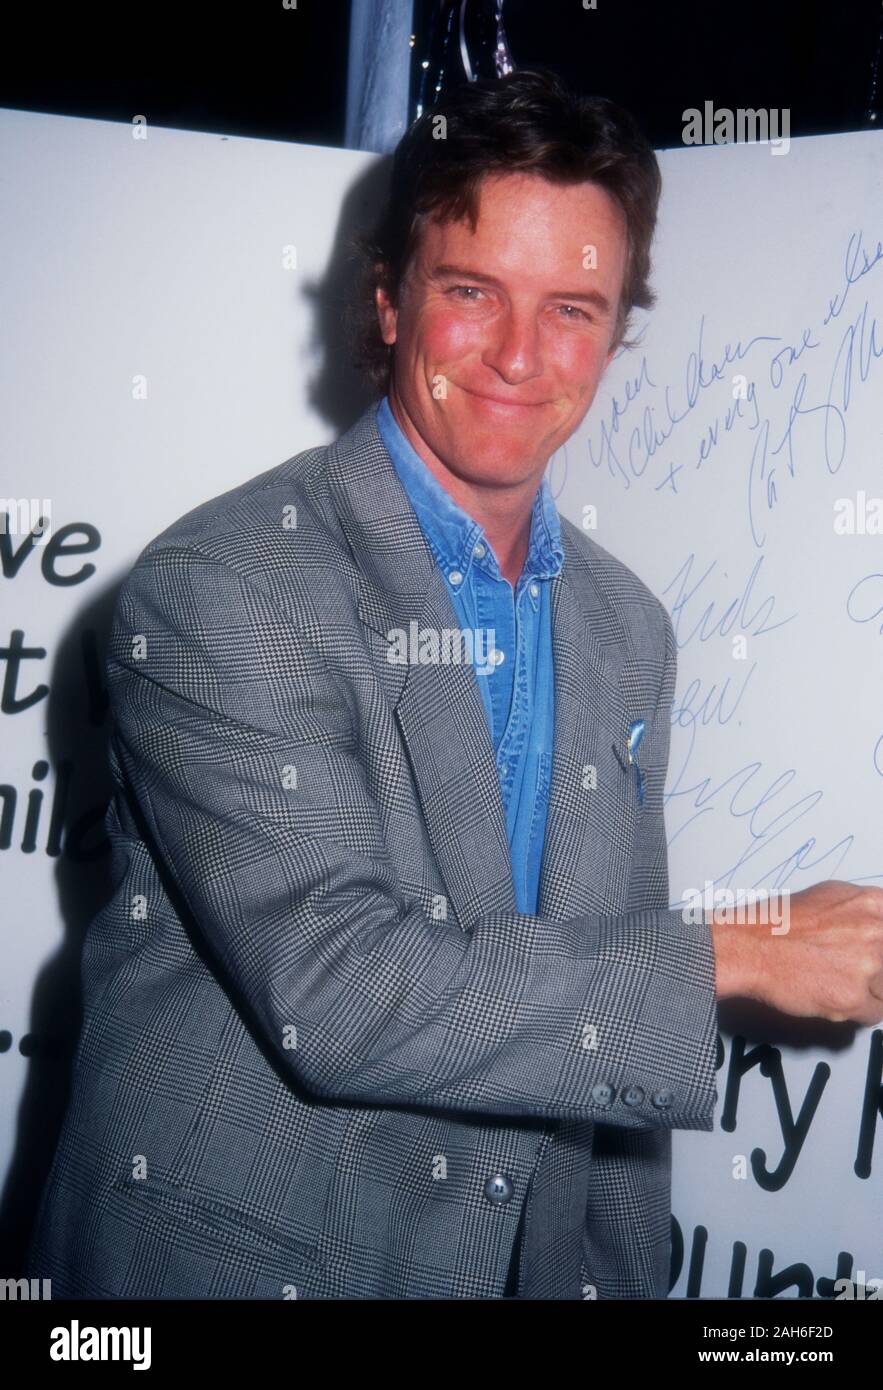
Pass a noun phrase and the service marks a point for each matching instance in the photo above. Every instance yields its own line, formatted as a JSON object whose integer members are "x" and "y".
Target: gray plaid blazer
{"x": 322, "y": 1053}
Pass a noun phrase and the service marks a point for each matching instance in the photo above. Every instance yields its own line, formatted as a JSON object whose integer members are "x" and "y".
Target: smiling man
{"x": 388, "y": 1001}
{"x": 501, "y": 339}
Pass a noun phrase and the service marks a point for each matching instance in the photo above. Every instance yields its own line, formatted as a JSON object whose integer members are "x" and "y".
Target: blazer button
{"x": 662, "y": 1098}
{"x": 499, "y": 1189}
{"x": 603, "y": 1093}
{"x": 632, "y": 1095}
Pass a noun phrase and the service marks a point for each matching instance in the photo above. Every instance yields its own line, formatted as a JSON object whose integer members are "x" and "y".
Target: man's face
{"x": 510, "y": 323}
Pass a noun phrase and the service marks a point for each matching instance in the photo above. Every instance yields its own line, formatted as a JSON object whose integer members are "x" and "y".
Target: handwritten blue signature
{"x": 665, "y": 425}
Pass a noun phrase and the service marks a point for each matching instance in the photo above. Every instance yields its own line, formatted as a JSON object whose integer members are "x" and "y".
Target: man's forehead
{"x": 508, "y": 198}
{"x": 441, "y": 241}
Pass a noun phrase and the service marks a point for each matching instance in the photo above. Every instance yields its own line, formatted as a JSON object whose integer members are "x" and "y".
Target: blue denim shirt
{"x": 517, "y": 684}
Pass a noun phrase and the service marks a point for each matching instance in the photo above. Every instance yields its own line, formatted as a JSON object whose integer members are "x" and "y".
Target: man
{"x": 388, "y": 1001}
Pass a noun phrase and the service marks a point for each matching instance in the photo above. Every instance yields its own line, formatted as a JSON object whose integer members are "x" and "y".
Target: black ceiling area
{"x": 275, "y": 72}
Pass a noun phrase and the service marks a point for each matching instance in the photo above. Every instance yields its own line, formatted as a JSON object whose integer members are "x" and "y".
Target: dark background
{"x": 257, "y": 69}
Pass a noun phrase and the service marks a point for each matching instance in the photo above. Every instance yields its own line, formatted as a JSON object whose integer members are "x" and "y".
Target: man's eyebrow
{"x": 445, "y": 271}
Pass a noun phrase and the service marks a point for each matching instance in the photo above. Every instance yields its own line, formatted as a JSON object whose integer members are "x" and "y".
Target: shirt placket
{"x": 511, "y": 748}
{"x": 493, "y": 617}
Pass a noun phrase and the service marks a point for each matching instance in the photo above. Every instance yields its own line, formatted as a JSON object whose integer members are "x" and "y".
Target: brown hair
{"x": 528, "y": 120}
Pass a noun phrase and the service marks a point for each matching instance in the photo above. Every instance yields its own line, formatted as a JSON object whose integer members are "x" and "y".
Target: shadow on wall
{"x": 78, "y": 735}
{"x": 338, "y": 393}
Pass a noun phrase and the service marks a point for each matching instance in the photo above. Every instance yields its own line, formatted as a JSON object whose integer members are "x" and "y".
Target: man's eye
{"x": 467, "y": 292}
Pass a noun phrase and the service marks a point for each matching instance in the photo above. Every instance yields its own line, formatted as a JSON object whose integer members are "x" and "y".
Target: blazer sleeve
{"x": 255, "y": 800}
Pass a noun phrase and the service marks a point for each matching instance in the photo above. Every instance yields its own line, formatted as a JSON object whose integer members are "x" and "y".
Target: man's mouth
{"x": 509, "y": 405}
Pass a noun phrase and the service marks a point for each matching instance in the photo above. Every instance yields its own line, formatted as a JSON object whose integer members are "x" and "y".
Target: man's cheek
{"x": 451, "y": 339}
{"x": 584, "y": 362}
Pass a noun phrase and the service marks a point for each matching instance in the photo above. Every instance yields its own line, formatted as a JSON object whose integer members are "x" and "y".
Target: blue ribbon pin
{"x": 632, "y": 744}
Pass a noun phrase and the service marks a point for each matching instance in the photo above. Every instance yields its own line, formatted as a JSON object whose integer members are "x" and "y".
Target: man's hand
{"x": 828, "y": 965}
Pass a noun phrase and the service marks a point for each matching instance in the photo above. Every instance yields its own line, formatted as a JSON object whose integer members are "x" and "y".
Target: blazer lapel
{"x": 592, "y": 807}
{"x": 438, "y": 707}
{"x": 442, "y": 720}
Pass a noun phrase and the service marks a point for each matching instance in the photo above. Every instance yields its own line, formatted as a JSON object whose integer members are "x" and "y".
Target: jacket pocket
{"x": 223, "y": 1221}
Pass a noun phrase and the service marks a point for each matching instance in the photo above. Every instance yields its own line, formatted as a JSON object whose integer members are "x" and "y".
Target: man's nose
{"x": 514, "y": 349}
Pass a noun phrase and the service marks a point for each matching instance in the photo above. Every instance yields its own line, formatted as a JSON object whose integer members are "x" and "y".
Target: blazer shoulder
{"x": 278, "y": 533}
{"x": 248, "y": 508}
{"x": 643, "y": 617}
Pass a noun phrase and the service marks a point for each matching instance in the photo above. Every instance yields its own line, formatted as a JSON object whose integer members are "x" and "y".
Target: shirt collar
{"x": 455, "y": 538}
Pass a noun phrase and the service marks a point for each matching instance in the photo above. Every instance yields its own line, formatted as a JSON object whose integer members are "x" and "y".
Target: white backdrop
{"x": 164, "y": 343}
{"x": 720, "y": 492}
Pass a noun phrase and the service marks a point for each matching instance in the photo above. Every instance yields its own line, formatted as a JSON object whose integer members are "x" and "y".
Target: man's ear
{"x": 387, "y": 315}
{"x": 614, "y": 349}
{"x": 618, "y": 335}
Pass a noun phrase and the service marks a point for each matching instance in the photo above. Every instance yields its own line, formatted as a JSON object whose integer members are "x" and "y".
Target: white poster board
{"x": 167, "y": 304}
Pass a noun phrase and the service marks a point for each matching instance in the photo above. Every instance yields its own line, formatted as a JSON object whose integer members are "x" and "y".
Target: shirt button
{"x": 534, "y": 589}
{"x": 455, "y": 577}
{"x": 498, "y": 657}
{"x": 504, "y": 770}
{"x": 478, "y": 549}
{"x": 499, "y": 1189}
